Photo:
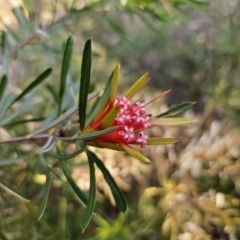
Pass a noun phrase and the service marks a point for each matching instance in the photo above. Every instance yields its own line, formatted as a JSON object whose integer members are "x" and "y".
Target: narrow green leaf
{"x": 65, "y": 68}
{"x": 52, "y": 91}
{"x": 66, "y": 115}
{"x": 92, "y": 194}
{"x": 173, "y": 121}
{"x": 136, "y": 86}
{"x": 85, "y": 82}
{"x": 6, "y": 103}
{"x": 67, "y": 103}
{"x": 116, "y": 191}
{"x": 133, "y": 152}
{"x": 112, "y": 146}
{"x": 13, "y": 192}
{"x": 74, "y": 187}
{"x": 181, "y": 108}
{"x": 68, "y": 156}
{"x": 3, "y": 86}
{"x": 34, "y": 84}
{"x": 114, "y": 84}
{"x": 101, "y": 101}
{"x": 108, "y": 120}
{"x": 93, "y": 135}
{"x": 21, "y": 18}
{"x": 21, "y": 121}
{"x": 43, "y": 204}
{"x": 21, "y": 108}
{"x": 5, "y": 53}
{"x": 160, "y": 141}
{"x": 10, "y": 160}
{"x": 47, "y": 187}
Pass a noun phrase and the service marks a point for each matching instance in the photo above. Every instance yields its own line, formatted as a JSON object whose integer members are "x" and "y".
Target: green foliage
{"x": 85, "y": 82}
{"x": 195, "y": 53}
{"x": 92, "y": 194}
{"x": 117, "y": 193}
{"x": 65, "y": 70}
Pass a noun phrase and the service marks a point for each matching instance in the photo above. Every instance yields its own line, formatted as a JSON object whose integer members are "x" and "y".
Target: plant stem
{"x": 40, "y": 136}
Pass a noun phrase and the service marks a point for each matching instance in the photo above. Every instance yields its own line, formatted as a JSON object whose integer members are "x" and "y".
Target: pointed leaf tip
{"x": 115, "y": 78}
{"x": 85, "y": 81}
{"x": 92, "y": 194}
{"x": 173, "y": 121}
{"x": 137, "y": 86}
{"x": 133, "y": 152}
{"x": 116, "y": 191}
{"x": 34, "y": 84}
{"x": 67, "y": 55}
{"x": 160, "y": 141}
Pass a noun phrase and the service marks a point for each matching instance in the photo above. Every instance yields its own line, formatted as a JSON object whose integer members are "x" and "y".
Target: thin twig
{"x": 40, "y": 136}
{"x": 33, "y": 35}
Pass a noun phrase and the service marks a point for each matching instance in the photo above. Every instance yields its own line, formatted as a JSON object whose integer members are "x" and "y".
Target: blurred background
{"x": 191, "y": 189}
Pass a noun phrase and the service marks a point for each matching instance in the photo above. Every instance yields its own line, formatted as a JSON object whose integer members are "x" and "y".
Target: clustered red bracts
{"x": 132, "y": 120}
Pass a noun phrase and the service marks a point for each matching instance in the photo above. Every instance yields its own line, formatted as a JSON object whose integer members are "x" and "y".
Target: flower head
{"x": 132, "y": 121}
{"x": 130, "y": 116}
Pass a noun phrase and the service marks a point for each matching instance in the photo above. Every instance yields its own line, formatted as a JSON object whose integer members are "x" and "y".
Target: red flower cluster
{"x": 133, "y": 120}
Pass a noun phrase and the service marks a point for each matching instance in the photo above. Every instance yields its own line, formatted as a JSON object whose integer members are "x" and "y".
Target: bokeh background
{"x": 191, "y": 189}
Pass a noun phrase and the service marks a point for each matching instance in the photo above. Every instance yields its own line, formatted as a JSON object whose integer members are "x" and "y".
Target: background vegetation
{"x": 191, "y": 189}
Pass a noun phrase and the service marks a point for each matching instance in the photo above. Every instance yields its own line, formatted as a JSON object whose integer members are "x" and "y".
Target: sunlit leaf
{"x": 85, "y": 82}
{"x": 114, "y": 84}
{"x": 65, "y": 69}
{"x": 112, "y": 146}
{"x": 160, "y": 141}
{"x": 136, "y": 86}
{"x": 117, "y": 193}
{"x": 101, "y": 102}
{"x": 108, "y": 120}
{"x": 92, "y": 194}
{"x": 173, "y": 121}
{"x": 133, "y": 152}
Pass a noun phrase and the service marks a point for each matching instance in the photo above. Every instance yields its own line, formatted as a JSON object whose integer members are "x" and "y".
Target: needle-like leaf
{"x": 3, "y": 86}
{"x": 13, "y": 192}
{"x": 65, "y": 68}
{"x": 34, "y": 84}
{"x": 92, "y": 194}
{"x": 181, "y": 108}
{"x": 85, "y": 82}
{"x": 116, "y": 191}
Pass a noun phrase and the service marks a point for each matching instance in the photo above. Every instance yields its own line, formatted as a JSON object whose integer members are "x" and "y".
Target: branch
{"x": 33, "y": 35}
{"x": 40, "y": 136}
